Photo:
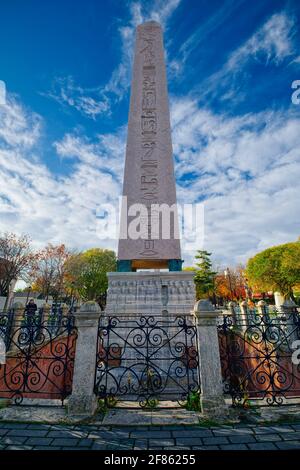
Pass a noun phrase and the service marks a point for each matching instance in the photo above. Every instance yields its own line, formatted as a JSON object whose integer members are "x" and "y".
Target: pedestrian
{"x": 31, "y": 308}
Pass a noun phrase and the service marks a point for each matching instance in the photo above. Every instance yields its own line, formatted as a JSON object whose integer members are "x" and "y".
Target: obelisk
{"x": 149, "y": 180}
{"x": 149, "y": 170}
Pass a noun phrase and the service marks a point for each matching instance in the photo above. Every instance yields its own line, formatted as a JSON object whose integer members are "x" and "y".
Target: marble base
{"x": 152, "y": 293}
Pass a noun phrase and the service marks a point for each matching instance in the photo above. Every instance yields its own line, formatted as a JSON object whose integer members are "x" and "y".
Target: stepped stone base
{"x": 153, "y": 293}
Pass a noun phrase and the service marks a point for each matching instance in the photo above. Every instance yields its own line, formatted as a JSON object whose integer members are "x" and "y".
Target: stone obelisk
{"x": 149, "y": 180}
{"x": 149, "y": 170}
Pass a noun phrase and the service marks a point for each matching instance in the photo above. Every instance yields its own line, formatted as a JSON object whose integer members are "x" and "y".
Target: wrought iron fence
{"x": 39, "y": 359}
{"x": 258, "y": 357}
{"x": 147, "y": 359}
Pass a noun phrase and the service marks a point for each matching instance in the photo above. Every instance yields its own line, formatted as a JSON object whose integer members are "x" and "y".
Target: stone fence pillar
{"x": 46, "y": 308}
{"x": 263, "y": 311}
{"x": 288, "y": 307}
{"x": 18, "y": 316}
{"x": 262, "y": 307}
{"x": 232, "y": 308}
{"x": 83, "y": 401}
{"x": 289, "y": 321}
{"x": 244, "y": 316}
{"x": 212, "y": 399}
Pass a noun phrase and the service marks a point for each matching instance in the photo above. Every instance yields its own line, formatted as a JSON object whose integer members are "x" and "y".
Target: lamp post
{"x": 227, "y": 274}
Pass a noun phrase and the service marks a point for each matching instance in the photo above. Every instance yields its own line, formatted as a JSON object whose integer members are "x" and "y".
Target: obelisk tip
{"x": 151, "y": 23}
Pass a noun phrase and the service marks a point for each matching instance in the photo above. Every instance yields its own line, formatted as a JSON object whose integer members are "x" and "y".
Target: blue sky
{"x": 235, "y": 130}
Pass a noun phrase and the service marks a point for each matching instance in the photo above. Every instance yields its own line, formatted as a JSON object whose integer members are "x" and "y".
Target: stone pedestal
{"x": 212, "y": 399}
{"x": 152, "y": 293}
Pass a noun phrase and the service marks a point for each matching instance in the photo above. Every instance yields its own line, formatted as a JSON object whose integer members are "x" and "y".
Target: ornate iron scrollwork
{"x": 147, "y": 358}
{"x": 257, "y": 357}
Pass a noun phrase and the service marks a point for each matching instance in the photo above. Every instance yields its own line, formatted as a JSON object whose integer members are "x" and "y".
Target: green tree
{"x": 86, "y": 272}
{"x": 205, "y": 276}
{"x": 276, "y": 269}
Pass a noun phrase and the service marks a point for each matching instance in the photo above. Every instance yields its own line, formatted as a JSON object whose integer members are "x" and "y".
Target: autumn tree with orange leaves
{"x": 16, "y": 260}
{"x": 49, "y": 272}
{"x": 233, "y": 288}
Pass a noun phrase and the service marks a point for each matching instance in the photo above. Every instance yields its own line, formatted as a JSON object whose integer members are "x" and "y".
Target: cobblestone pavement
{"x": 17, "y": 436}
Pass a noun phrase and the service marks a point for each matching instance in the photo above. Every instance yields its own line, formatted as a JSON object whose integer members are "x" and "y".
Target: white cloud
{"x": 106, "y": 153}
{"x": 18, "y": 127}
{"x": 53, "y": 208}
{"x": 246, "y": 169}
{"x": 67, "y": 93}
{"x": 273, "y": 43}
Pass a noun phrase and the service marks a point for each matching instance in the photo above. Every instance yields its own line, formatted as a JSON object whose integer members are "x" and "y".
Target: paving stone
{"x": 126, "y": 445}
{"x": 177, "y": 437}
{"x": 215, "y": 440}
{"x": 150, "y": 434}
{"x": 18, "y": 447}
{"x": 39, "y": 426}
{"x": 65, "y": 442}
{"x": 161, "y": 442}
{"x": 240, "y": 425}
{"x": 290, "y": 436}
{"x": 234, "y": 447}
{"x": 192, "y": 433}
{"x": 75, "y": 448}
{"x": 282, "y": 428}
{"x": 177, "y": 448}
{"x": 85, "y": 443}
{"x": 67, "y": 434}
{"x": 232, "y": 432}
{"x": 107, "y": 435}
{"x": 262, "y": 446}
{"x": 241, "y": 439}
{"x": 13, "y": 425}
{"x": 13, "y": 440}
{"x": 263, "y": 430}
{"x": 113, "y": 446}
{"x": 39, "y": 441}
{"x": 205, "y": 448}
{"x": 141, "y": 444}
{"x": 62, "y": 427}
{"x": 296, "y": 427}
{"x": 287, "y": 445}
{"x": 46, "y": 448}
{"x": 99, "y": 446}
{"x": 87, "y": 428}
{"x": 224, "y": 426}
{"x": 267, "y": 437}
{"x": 28, "y": 432}
{"x": 175, "y": 428}
{"x": 186, "y": 441}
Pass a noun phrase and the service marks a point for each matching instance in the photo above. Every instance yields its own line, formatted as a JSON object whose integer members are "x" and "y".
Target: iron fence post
{"x": 212, "y": 399}
{"x": 83, "y": 400}
{"x": 232, "y": 308}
